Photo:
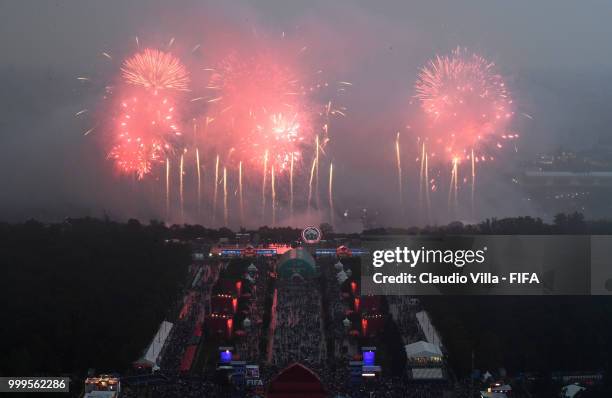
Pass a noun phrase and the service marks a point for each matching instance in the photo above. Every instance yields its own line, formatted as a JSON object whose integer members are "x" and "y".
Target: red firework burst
{"x": 280, "y": 136}
{"x": 145, "y": 132}
{"x": 467, "y": 104}
{"x": 260, "y": 107}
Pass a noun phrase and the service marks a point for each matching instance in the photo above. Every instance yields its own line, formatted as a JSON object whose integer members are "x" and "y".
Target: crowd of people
{"x": 403, "y": 309}
{"x": 337, "y": 309}
{"x": 178, "y": 340}
{"x": 398, "y": 387}
{"x": 307, "y": 327}
{"x": 197, "y": 294}
{"x": 297, "y": 324}
{"x": 248, "y": 345}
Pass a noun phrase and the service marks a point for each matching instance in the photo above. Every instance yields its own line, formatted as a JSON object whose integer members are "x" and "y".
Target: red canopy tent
{"x": 187, "y": 305}
{"x": 296, "y": 381}
{"x": 188, "y": 357}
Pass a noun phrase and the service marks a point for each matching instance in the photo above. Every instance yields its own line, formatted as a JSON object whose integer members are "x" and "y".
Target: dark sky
{"x": 556, "y": 56}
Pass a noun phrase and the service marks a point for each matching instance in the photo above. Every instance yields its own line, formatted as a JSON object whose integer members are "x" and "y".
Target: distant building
{"x": 567, "y": 181}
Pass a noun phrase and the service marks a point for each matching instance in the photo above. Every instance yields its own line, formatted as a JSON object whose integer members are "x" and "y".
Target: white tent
{"x": 197, "y": 277}
{"x": 571, "y": 390}
{"x": 341, "y": 276}
{"x": 431, "y": 334}
{"x": 490, "y": 394}
{"x": 151, "y": 356}
{"x": 422, "y": 349}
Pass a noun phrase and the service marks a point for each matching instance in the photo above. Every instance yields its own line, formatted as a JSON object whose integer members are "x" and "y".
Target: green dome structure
{"x": 296, "y": 261}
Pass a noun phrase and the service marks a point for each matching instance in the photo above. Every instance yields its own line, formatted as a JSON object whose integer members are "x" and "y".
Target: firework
{"x": 181, "y": 186}
{"x": 263, "y": 187}
{"x": 399, "y": 170}
{"x": 265, "y": 102}
{"x": 473, "y": 162}
{"x": 452, "y": 191}
{"x": 291, "y": 186}
{"x": 424, "y": 183}
{"x": 215, "y": 190}
{"x": 225, "y": 208}
{"x": 331, "y": 193}
{"x": 261, "y": 103}
{"x": 427, "y": 187}
{"x": 145, "y": 132}
{"x": 248, "y": 86}
{"x": 156, "y": 70}
{"x": 467, "y": 104}
{"x": 310, "y": 181}
{"x": 199, "y": 174}
{"x": 266, "y": 114}
{"x": 317, "y": 147}
{"x": 135, "y": 156}
{"x": 168, "y": 187}
{"x": 240, "y": 193}
{"x": 273, "y": 184}
{"x": 467, "y": 108}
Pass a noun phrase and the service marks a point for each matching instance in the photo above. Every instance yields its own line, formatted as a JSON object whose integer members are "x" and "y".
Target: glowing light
{"x": 263, "y": 187}
{"x": 399, "y": 170}
{"x": 225, "y": 208}
{"x": 240, "y": 194}
{"x": 167, "y": 187}
{"x": 145, "y": 133}
{"x": 215, "y": 190}
{"x": 155, "y": 70}
{"x": 199, "y": 174}
{"x": 181, "y": 186}
{"x": 331, "y": 193}
{"x": 273, "y": 196}
{"x": 291, "y": 185}
{"x": 466, "y": 102}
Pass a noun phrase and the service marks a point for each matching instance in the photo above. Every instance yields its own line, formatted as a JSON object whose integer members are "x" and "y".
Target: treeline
{"x": 263, "y": 234}
{"x": 574, "y": 223}
{"x": 84, "y": 293}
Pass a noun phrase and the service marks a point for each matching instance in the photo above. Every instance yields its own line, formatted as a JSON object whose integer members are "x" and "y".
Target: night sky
{"x": 555, "y": 55}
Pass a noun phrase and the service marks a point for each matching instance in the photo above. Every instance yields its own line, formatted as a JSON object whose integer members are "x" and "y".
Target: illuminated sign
{"x": 226, "y": 356}
{"x": 266, "y": 252}
{"x": 368, "y": 358}
{"x": 230, "y": 252}
{"x": 333, "y": 252}
{"x": 311, "y": 235}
